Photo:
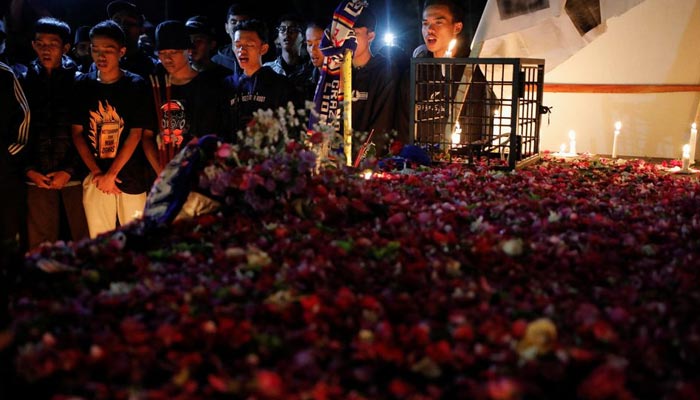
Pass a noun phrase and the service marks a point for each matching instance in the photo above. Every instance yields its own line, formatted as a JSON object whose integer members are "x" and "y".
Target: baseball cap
{"x": 82, "y": 34}
{"x": 199, "y": 24}
{"x": 172, "y": 35}
{"x": 366, "y": 20}
{"x": 121, "y": 6}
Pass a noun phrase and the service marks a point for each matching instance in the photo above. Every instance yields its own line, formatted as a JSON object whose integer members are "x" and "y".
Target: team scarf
{"x": 328, "y": 98}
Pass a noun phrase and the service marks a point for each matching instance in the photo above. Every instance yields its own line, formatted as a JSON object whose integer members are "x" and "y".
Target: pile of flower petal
{"x": 561, "y": 280}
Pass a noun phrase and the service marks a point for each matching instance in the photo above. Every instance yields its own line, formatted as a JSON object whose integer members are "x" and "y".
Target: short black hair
{"x": 455, "y": 8}
{"x": 253, "y": 25}
{"x": 53, "y": 26}
{"x": 295, "y": 18}
{"x": 317, "y": 23}
{"x": 110, "y": 29}
{"x": 240, "y": 9}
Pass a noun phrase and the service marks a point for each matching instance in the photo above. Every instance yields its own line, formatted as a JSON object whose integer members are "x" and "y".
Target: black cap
{"x": 199, "y": 24}
{"x": 121, "y": 6}
{"x": 172, "y": 35}
{"x": 366, "y": 20}
{"x": 82, "y": 34}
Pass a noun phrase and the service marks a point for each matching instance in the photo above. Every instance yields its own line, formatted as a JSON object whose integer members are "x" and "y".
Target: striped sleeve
{"x": 23, "y": 130}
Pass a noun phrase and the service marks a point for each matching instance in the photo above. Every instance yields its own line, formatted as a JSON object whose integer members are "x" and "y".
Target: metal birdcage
{"x": 469, "y": 109}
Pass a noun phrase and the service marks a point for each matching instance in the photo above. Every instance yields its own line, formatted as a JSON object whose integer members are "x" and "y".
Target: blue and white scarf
{"x": 336, "y": 39}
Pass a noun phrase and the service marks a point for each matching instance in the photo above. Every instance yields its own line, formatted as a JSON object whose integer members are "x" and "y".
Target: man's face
{"x": 364, "y": 37}
{"x": 132, "y": 27}
{"x": 202, "y": 45}
{"x": 106, "y": 53}
{"x": 82, "y": 49}
{"x": 174, "y": 60}
{"x": 249, "y": 50}
{"x": 289, "y": 36}
{"x": 313, "y": 45}
{"x": 438, "y": 29}
{"x": 232, "y": 22}
{"x": 49, "y": 49}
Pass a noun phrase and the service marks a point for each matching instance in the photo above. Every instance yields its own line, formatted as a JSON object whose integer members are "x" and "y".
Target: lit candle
{"x": 686, "y": 157}
{"x": 693, "y": 142}
{"x": 367, "y": 174}
{"x": 572, "y": 142}
{"x": 450, "y": 48}
{"x": 456, "y": 135}
{"x": 618, "y": 126}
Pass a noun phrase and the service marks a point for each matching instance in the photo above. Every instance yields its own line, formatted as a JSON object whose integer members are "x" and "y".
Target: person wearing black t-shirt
{"x": 257, "y": 87}
{"x": 191, "y": 107}
{"x": 374, "y": 85}
{"x": 203, "y": 45}
{"x": 110, "y": 113}
{"x": 132, "y": 22}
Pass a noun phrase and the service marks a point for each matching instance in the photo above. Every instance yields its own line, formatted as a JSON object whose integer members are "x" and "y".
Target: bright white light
{"x": 456, "y": 135}
{"x": 389, "y": 39}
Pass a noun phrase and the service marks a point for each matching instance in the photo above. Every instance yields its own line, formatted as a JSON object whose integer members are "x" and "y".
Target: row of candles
{"x": 688, "y": 149}
{"x": 688, "y": 157}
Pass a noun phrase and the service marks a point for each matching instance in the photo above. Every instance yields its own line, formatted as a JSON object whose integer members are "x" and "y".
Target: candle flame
{"x": 367, "y": 174}
{"x": 450, "y": 48}
{"x": 618, "y": 125}
{"x": 456, "y": 133}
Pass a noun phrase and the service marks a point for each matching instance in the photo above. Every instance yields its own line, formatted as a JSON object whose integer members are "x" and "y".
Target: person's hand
{"x": 39, "y": 179}
{"x": 58, "y": 179}
{"x": 107, "y": 183}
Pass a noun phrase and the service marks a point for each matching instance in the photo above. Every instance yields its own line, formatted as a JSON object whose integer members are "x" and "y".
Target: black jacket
{"x": 50, "y": 147}
{"x": 227, "y": 58}
{"x": 265, "y": 89}
{"x": 374, "y": 100}
{"x": 14, "y": 123}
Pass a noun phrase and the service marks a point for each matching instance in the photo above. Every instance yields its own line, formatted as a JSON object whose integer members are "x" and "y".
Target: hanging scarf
{"x": 336, "y": 39}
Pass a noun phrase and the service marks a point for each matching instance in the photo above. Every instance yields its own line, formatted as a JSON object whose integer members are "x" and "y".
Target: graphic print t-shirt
{"x": 193, "y": 110}
{"x": 107, "y": 113}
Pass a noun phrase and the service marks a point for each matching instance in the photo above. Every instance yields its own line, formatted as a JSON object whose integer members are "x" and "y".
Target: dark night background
{"x": 402, "y": 17}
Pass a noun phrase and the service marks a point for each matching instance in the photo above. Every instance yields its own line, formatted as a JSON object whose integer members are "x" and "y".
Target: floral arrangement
{"x": 272, "y": 160}
{"x": 559, "y": 280}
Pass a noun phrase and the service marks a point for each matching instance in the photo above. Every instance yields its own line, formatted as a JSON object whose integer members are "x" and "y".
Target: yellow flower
{"x": 540, "y": 337}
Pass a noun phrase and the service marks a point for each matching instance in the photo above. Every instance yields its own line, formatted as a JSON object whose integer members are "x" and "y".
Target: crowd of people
{"x": 87, "y": 125}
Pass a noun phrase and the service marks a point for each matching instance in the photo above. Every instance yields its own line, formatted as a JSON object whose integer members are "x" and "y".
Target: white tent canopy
{"x": 636, "y": 42}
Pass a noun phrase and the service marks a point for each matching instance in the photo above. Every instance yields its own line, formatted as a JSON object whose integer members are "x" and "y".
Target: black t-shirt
{"x": 195, "y": 109}
{"x": 107, "y": 113}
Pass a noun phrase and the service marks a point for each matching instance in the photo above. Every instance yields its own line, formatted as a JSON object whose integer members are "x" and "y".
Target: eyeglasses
{"x": 291, "y": 29}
